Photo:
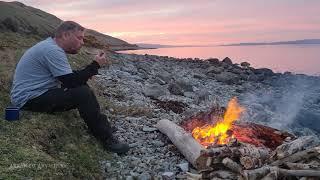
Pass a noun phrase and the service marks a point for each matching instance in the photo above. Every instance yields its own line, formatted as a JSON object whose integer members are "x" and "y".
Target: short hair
{"x": 66, "y": 26}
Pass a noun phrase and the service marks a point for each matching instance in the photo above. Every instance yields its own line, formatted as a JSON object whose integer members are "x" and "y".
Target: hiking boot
{"x": 113, "y": 145}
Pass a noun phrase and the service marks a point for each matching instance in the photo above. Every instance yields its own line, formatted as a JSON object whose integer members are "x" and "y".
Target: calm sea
{"x": 280, "y": 58}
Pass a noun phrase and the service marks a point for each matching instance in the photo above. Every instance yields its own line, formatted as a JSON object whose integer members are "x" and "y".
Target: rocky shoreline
{"x": 140, "y": 90}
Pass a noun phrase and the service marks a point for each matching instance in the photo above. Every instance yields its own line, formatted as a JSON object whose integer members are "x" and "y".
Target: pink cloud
{"x": 192, "y": 22}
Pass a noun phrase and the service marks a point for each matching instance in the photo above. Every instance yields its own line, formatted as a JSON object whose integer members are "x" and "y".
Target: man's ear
{"x": 65, "y": 35}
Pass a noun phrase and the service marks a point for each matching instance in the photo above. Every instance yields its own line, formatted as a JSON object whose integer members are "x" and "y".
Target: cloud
{"x": 189, "y": 20}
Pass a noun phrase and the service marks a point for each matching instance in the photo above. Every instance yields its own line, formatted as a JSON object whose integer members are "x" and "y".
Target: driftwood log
{"x": 184, "y": 141}
{"x": 273, "y": 175}
{"x": 239, "y": 151}
{"x": 233, "y": 166}
{"x": 223, "y": 174}
{"x": 250, "y": 162}
{"x": 301, "y": 166}
{"x": 265, "y": 170}
{"x": 306, "y": 154}
{"x": 292, "y": 147}
{"x": 249, "y": 155}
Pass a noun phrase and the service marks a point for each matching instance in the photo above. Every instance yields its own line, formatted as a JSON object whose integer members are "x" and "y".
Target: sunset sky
{"x": 192, "y": 22}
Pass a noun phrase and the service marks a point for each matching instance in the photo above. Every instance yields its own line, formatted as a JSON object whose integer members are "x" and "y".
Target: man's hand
{"x": 101, "y": 59}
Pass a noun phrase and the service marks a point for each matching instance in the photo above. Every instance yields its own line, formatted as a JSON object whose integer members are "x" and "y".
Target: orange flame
{"x": 218, "y": 133}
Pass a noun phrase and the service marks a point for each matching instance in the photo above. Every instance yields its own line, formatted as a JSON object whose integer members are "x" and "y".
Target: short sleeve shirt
{"x": 37, "y": 70}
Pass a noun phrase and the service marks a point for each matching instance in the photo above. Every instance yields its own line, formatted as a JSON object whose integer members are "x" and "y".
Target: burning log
{"x": 255, "y": 152}
{"x": 186, "y": 144}
{"x": 234, "y": 152}
{"x": 221, "y": 152}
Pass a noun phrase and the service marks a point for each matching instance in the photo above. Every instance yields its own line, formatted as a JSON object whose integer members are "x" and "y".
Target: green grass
{"x": 44, "y": 145}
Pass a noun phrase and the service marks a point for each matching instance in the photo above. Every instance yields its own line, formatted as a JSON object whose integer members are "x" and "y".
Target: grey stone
{"x": 186, "y": 86}
{"x": 214, "y": 70}
{"x": 129, "y": 178}
{"x": 158, "y": 143}
{"x": 213, "y": 61}
{"x": 245, "y": 64}
{"x": 189, "y": 95}
{"x": 175, "y": 89}
{"x": 148, "y": 129}
{"x": 168, "y": 175}
{"x": 203, "y": 95}
{"x": 227, "y": 60}
{"x": 144, "y": 176}
{"x": 237, "y": 70}
{"x": 199, "y": 76}
{"x": 164, "y": 76}
{"x": 160, "y": 81}
{"x": 154, "y": 91}
{"x": 264, "y": 71}
{"x": 240, "y": 89}
{"x": 227, "y": 77}
{"x": 184, "y": 167}
{"x": 253, "y": 77}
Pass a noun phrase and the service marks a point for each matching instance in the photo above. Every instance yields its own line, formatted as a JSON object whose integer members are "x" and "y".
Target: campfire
{"x": 220, "y": 130}
{"x": 220, "y": 146}
{"x": 221, "y": 125}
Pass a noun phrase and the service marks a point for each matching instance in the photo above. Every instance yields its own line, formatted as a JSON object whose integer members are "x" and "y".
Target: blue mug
{"x": 12, "y": 114}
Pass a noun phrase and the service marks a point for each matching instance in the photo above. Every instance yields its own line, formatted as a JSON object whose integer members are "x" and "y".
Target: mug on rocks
{"x": 12, "y": 114}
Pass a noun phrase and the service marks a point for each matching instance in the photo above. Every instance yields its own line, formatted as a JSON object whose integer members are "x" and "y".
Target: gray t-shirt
{"x": 37, "y": 70}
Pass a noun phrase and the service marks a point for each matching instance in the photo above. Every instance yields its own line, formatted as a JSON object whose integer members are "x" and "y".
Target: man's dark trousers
{"x": 82, "y": 98}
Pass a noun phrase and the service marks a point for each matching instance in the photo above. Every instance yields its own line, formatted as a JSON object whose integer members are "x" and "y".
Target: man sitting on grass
{"x": 44, "y": 82}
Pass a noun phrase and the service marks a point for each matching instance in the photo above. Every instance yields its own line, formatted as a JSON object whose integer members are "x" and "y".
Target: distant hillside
{"x": 22, "y": 19}
{"x": 296, "y": 42}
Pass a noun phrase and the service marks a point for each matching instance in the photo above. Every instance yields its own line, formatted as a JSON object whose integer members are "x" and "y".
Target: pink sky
{"x": 192, "y": 22}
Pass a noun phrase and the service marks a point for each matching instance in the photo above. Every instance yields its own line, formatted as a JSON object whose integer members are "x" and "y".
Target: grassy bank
{"x": 42, "y": 145}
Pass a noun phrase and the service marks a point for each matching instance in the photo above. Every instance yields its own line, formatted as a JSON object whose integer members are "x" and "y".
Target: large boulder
{"x": 264, "y": 71}
{"x": 214, "y": 61}
{"x": 245, "y": 64}
{"x": 186, "y": 85}
{"x": 227, "y": 60}
{"x": 164, "y": 76}
{"x": 227, "y": 77}
{"x": 237, "y": 70}
{"x": 253, "y": 77}
{"x": 154, "y": 91}
{"x": 180, "y": 86}
{"x": 214, "y": 70}
{"x": 175, "y": 89}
